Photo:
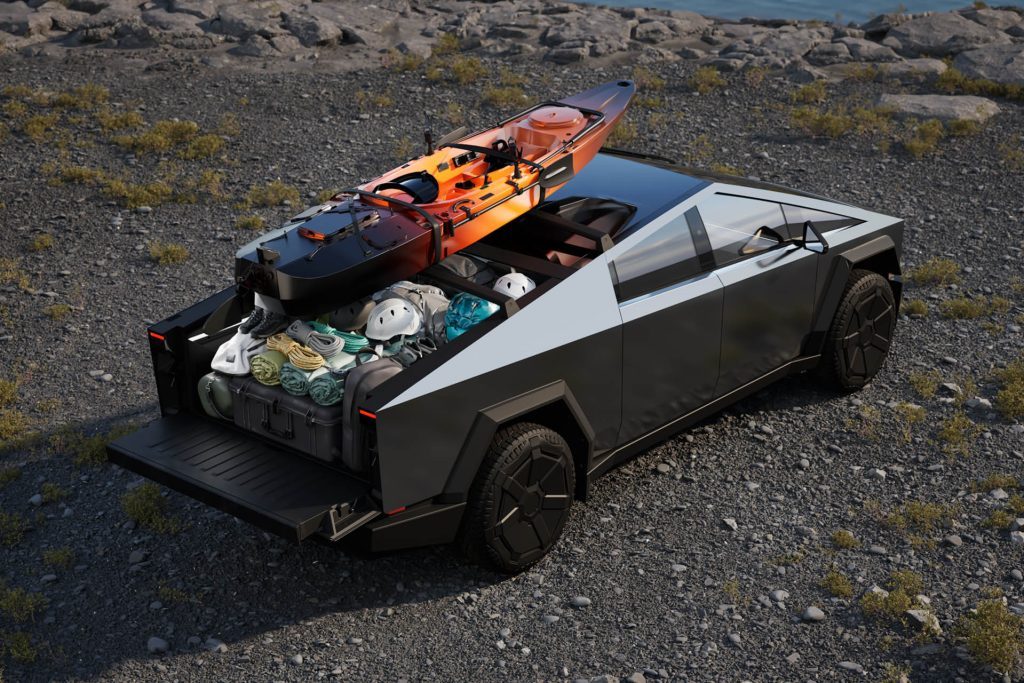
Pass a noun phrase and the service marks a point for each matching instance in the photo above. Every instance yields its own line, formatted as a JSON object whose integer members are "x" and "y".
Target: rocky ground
{"x": 704, "y": 559}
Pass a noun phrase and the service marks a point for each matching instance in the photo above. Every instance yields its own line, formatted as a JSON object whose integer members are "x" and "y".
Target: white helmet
{"x": 514, "y": 285}
{"x": 393, "y": 317}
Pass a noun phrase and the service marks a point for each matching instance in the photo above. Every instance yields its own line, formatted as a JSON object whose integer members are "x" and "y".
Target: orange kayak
{"x": 394, "y": 226}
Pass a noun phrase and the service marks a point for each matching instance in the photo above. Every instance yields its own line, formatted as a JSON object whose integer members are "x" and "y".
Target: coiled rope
{"x": 302, "y": 357}
{"x": 353, "y": 340}
{"x": 325, "y": 344}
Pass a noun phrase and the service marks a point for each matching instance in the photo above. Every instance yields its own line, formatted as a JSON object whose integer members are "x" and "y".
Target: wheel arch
{"x": 879, "y": 255}
{"x": 552, "y": 406}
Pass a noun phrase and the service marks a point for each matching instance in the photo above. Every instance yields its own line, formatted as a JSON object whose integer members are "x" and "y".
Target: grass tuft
{"x": 274, "y": 193}
{"x": 57, "y": 311}
{"x": 12, "y": 528}
{"x": 623, "y": 133}
{"x": 963, "y": 308}
{"x": 935, "y": 271}
{"x": 202, "y": 147}
{"x": 162, "y": 136}
{"x": 923, "y": 138}
{"x": 148, "y": 508}
{"x": 926, "y": 384}
{"x": 250, "y": 222}
{"x": 467, "y": 70}
{"x": 8, "y": 392}
{"x": 707, "y": 79}
{"x": 40, "y": 127}
{"x": 504, "y": 96}
{"x": 993, "y": 635}
{"x": 41, "y": 242}
{"x": 812, "y": 93}
{"x": 844, "y": 539}
{"x": 18, "y": 646}
{"x": 62, "y": 558}
{"x": 915, "y": 307}
{"x": 20, "y": 605}
{"x": 132, "y": 196}
{"x": 9, "y": 474}
{"x": 168, "y": 253}
{"x": 836, "y": 583}
{"x": 957, "y": 434}
{"x": 1010, "y": 398}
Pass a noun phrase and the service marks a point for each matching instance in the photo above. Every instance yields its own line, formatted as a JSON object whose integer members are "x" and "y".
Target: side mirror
{"x": 813, "y": 239}
{"x": 763, "y": 239}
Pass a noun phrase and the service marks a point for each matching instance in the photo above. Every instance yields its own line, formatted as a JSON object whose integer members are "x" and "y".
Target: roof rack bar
{"x": 601, "y": 238}
{"x": 524, "y": 262}
{"x": 441, "y": 274}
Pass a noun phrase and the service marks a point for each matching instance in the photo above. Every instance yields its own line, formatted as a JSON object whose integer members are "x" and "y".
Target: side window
{"x": 661, "y": 259}
{"x": 796, "y": 216}
{"x": 739, "y": 227}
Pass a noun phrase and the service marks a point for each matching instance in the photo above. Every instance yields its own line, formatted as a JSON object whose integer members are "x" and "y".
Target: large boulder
{"x": 942, "y": 107}
{"x": 21, "y": 20}
{"x": 63, "y": 18}
{"x": 249, "y": 19}
{"x": 791, "y": 44}
{"x": 940, "y": 35}
{"x": 599, "y": 31}
{"x": 999, "y": 19}
{"x": 829, "y": 53}
{"x": 311, "y": 30}
{"x": 862, "y": 50}
{"x": 1000, "y": 63}
{"x": 652, "y": 32}
{"x": 171, "y": 22}
{"x": 204, "y": 9}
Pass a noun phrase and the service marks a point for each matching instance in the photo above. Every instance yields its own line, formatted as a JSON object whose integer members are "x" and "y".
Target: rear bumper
{"x": 281, "y": 492}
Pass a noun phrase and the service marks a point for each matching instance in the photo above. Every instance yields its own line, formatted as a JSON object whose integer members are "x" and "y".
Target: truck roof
{"x": 653, "y": 184}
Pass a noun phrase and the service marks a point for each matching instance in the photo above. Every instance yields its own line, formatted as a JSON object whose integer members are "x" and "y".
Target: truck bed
{"x": 277, "y": 490}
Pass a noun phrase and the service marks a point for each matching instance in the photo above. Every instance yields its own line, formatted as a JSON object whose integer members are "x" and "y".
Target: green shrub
{"x": 623, "y": 133}
{"x": 812, "y": 93}
{"x": 61, "y": 558}
{"x": 18, "y": 646}
{"x": 132, "y": 196}
{"x": 57, "y": 311}
{"x": 202, "y": 147}
{"x": 935, "y": 271}
{"x": 957, "y": 434}
{"x": 467, "y": 70}
{"x": 954, "y": 81}
{"x": 161, "y": 137}
{"x": 504, "y": 96}
{"x": 274, "y": 193}
{"x": 250, "y": 222}
{"x": 52, "y": 493}
{"x": 837, "y": 584}
{"x": 19, "y": 605}
{"x": 706, "y": 79}
{"x": 993, "y": 635}
{"x": 995, "y": 481}
{"x": 960, "y": 128}
{"x": 8, "y": 392}
{"x": 9, "y": 474}
{"x": 923, "y": 138}
{"x": 963, "y": 308}
{"x": 1010, "y": 398}
{"x": 915, "y": 307}
{"x": 40, "y": 127}
{"x": 168, "y": 253}
{"x": 13, "y": 424}
{"x": 647, "y": 80}
{"x": 844, "y": 540}
{"x": 88, "y": 96}
{"x": 148, "y": 508}
{"x": 115, "y": 121}
{"x": 87, "y": 450}
{"x": 12, "y": 528}
{"x": 832, "y": 124}
{"x": 447, "y": 44}
{"x": 41, "y": 242}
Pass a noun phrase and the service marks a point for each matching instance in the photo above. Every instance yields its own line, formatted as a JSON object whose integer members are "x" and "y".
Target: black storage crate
{"x": 295, "y": 421}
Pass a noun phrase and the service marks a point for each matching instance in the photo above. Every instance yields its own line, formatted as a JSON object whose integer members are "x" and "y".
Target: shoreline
{"x": 290, "y": 36}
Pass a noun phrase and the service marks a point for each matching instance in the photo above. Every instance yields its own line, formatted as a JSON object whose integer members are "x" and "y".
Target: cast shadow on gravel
{"x": 216, "y": 577}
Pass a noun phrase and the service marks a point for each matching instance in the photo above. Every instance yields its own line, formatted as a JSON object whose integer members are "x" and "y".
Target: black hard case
{"x": 295, "y": 421}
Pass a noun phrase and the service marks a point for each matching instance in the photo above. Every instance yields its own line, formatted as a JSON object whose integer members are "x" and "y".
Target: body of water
{"x": 843, "y": 11}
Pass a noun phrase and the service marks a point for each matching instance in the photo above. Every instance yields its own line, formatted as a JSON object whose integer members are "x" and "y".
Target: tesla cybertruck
{"x": 662, "y": 295}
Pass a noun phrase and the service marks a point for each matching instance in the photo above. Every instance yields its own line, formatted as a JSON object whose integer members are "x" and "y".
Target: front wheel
{"x": 520, "y": 500}
{"x": 861, "y": 333}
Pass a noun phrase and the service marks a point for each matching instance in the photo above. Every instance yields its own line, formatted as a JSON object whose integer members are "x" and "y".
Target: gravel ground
{"x": 649, "y": 579}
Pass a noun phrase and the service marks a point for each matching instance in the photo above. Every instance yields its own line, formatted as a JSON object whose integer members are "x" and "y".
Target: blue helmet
{"x": 465, "y": 311}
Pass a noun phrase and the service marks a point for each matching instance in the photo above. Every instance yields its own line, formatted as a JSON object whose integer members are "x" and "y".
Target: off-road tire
{"x": 520, "y": 499}
{"x": 861, "y": 333}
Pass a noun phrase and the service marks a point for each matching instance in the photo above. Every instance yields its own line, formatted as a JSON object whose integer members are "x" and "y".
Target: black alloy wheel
{"x": 861, "y": 332}
{"x": 521, "y": 498}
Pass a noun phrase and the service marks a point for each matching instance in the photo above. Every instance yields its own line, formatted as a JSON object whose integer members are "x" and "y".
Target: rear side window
{"x": 732, "y": 223}
{"x": 824, "y": 221}
{"x": 661, "y": 259}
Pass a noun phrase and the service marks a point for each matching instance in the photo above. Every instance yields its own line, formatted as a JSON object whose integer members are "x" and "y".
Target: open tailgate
{"x": 277, "y": 490}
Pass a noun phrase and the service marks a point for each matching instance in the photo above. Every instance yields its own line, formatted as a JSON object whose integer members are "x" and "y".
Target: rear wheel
{"x": 520, "y": 500}
{"x": 861, "y": 333}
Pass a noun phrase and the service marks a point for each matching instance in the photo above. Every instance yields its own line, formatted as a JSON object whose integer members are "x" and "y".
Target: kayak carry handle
{"x": 435, "y": 227}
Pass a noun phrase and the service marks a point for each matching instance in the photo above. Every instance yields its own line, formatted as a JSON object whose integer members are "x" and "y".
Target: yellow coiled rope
{"x": 302, "y": 357}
